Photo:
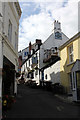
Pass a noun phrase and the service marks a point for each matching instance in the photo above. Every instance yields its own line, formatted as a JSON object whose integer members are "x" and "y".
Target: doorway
{"x": 8, "y": 79}
{"x": 70, "y": 83}
{"x": 78, "y": 84}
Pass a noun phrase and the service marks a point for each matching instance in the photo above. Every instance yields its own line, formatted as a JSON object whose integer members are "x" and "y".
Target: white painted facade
{"x": 25, "y": 53}
{"x": 53, "y": 72}
{"x": 79, "y": 16}
{"x": 36, "y": 72}
{"x": 26, "y": 67}
{"x": 10, "y": 12}
{"x": 49, "y": 43}
{"x": 1, "y": 60}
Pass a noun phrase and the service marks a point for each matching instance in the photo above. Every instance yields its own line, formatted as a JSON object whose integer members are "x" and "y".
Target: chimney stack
{"x": 30, "y": 47}
{"x": 56, "y": 26}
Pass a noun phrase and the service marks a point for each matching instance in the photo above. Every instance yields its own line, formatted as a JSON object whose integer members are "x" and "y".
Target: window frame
{"x": 10, "y": 31}
{"x": 29, "y": 62}
{"x": 16, "y": 40}
{"x": 70, "y": 53}
{"x": 25, "y": 53}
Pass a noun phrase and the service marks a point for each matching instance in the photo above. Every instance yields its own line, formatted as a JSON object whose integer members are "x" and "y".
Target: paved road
{"x": 37, "y": 103}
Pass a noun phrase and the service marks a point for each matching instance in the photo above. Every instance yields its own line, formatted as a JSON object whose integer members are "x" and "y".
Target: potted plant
{"x": 7, "y": 101}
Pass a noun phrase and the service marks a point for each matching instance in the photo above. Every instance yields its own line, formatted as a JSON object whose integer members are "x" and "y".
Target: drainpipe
{"x": 15, "y": 81}
{"x": 1, "y": 67}
{"x": 1, "y": 56}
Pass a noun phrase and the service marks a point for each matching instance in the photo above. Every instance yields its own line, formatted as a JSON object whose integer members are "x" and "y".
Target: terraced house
{"x": 49, "y": 55}
{"x": 70, "y": 66}
{"x": 30, "y": 67}
{"x": 10, "y": 13}
{"x": 48, "y": 58}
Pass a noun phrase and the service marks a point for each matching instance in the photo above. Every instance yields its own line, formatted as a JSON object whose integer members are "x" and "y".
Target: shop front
{"x": 8, "y": 79}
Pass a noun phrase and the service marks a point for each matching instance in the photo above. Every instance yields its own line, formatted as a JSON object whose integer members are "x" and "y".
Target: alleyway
{"x": 37, "y": 103}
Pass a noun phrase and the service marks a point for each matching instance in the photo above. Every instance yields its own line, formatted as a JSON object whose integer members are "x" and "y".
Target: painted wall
{"x": 79, "y": 16}
{"x": 10, "y": 13}
{"x": 49, "y": 43}
{"x": 9, "y": 49}
{"x": 79, "y": 48}
{"x": 23, "y": 51}
{"x": 65, "y": 66}
{"x": 36, "y": 77}
{"x": 53, "y": 73}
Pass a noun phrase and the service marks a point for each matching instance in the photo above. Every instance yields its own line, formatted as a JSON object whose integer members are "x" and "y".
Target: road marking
{"x": 60, "y": 108}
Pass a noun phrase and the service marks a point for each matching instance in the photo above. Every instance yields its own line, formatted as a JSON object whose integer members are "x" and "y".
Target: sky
{"x": 37, "y": 19}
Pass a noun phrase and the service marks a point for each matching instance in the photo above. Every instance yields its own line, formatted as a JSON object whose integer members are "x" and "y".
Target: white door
{"x": 74, "y": 87}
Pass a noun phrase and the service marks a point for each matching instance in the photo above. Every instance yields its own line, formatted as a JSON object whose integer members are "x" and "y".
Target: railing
{"x": 50, "y": 54}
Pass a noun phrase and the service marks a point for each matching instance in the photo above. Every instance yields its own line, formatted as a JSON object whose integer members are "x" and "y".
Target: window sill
{"x": 70, "y": 63}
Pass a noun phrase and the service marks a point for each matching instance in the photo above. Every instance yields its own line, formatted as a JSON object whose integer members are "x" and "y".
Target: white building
{"x": 49, "y": 55}
{"x": 25, "y": 53}
{"x": 30, "y": 66}
{"x": 9, "y": 28}
{"x": 79, "y": 16}
{"x": 48, "y": 58}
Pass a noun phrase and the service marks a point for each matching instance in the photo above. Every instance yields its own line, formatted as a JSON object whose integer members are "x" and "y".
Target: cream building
{"x": 70, "y": 66}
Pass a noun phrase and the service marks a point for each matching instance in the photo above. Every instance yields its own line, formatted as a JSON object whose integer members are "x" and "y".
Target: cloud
{"x": 39, "y": 25}
{"x": 34, "y": 27}
{"x": 26, "y": 5}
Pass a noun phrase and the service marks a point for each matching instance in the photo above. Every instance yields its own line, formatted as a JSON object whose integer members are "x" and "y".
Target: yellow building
{"x": 70, "y": 59}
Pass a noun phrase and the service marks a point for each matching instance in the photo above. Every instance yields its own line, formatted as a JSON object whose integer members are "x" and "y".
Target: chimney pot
{"x": 30, "y": 46}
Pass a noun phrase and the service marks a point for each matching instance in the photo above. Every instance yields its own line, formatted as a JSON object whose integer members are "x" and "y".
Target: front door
{"x": 74, "y": 86}
{"x": 70, "y": 83}
{"x": 42, "y": 75}
{"x": 42, "y": 78}
{"x": 78, "y": 84}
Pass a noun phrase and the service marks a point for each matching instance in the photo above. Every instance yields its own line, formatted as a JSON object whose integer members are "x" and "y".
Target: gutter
{"x": 70, "y": 40}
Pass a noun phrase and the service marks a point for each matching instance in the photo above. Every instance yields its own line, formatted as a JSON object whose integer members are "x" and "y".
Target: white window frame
{"x": 16, "y": 40}
{"x": 10, "y": 31}
{"x": 73, "y": 80}
{"x": 70, "y": 53}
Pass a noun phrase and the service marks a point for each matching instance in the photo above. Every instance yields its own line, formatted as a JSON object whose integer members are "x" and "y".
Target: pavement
{"x": 0, "y": 107}
{"x": 38, "y": 103}
{"x": 65, "y": 98}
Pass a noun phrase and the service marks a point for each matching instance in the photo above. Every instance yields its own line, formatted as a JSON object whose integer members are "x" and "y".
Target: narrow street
{"x": 37, "y": 103}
